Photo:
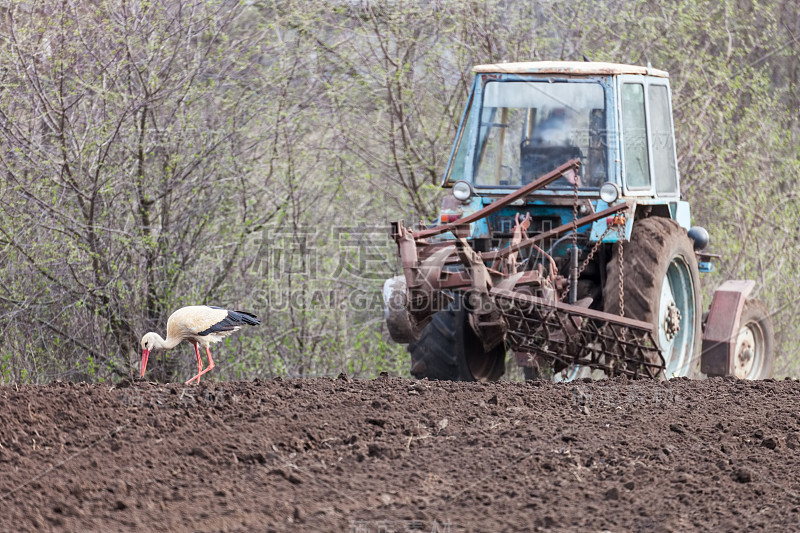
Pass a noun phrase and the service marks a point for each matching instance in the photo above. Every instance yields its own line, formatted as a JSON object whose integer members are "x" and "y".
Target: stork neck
{"x": 168, "y": 343}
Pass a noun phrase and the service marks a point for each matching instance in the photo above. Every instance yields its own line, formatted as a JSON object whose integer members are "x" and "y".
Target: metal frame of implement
{"x": 558, "y": 332}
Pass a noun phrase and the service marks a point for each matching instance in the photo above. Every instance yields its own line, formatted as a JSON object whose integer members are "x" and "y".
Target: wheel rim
{"x": 676, "y": 319}
{"x": 749, "y": 351}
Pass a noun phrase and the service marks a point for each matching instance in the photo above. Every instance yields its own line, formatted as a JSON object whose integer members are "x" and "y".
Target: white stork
{"x": 201, "y": 325}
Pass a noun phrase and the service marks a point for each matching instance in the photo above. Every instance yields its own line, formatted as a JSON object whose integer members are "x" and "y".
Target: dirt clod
{"x": 742, "y": 475}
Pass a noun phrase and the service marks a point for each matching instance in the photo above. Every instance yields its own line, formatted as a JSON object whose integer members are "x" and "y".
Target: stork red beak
{"x": 145, "y": 355}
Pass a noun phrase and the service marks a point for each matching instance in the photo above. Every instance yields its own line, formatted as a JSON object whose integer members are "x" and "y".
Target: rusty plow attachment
{"x": 512, "y": 299}
{"x": 564, "y": 335}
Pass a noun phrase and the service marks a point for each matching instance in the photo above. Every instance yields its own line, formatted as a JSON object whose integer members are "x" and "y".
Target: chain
{"x": 621, "y": 291}
{"x": 594, "y": 250}
{"x": 596, "y": 246}
{"x": 589, "y": 257}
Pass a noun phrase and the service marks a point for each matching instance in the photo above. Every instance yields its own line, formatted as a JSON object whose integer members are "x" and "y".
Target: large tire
{"x": 448, "y": 349}
{"x": 754, "y": 356}
{"x": 660, "y": 267}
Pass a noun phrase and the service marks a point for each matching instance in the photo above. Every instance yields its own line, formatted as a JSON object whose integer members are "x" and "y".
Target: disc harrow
{"x": 562, "y": 335}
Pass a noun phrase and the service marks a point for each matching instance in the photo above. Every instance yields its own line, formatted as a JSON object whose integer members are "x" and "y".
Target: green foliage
{"x": 251, "y": 154}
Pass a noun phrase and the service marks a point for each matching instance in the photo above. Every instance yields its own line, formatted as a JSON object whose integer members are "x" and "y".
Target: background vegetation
{"x": 161, "y": 153}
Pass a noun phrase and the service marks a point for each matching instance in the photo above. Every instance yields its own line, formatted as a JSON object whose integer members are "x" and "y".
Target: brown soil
{"x": 336, "y": 455}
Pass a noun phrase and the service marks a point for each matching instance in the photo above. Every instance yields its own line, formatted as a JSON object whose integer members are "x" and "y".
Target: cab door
{"x": 647, "y": 145}
{"x": 663, "y": 159}
{"x": 634, "y": 136}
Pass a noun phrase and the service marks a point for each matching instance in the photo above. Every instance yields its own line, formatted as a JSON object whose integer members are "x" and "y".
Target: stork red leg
{"x": 210, "y": 364}
{"x": 199, "y": 365}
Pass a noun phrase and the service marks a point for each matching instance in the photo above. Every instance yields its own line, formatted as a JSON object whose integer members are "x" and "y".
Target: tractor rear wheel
{"x": 755, "y": 353}
{"x": 661, "y": 285}
{"x": 448, "y": 349}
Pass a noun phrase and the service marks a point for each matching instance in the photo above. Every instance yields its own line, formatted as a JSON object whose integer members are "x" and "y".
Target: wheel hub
{"x": 672, "y": 321}
{"x": 745, "y": 353}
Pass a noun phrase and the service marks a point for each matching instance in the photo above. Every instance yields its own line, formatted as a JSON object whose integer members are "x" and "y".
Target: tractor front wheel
{"x": 661, "y": 285}
{"x": 448, "y": 349}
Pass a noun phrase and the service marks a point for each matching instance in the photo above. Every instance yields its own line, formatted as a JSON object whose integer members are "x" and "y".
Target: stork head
{"x": 149, "y": 342}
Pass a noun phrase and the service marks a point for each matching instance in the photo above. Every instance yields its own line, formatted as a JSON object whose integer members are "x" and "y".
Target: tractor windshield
{"x": 530, "y": 128}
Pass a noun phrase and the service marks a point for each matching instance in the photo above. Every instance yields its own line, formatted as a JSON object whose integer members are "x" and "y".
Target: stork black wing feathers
{"x": 233, "y": 320}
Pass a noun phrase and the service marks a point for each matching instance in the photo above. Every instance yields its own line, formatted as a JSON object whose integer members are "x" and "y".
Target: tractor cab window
{"x": 634, "y": 135}
{"x": 529, "y": 128}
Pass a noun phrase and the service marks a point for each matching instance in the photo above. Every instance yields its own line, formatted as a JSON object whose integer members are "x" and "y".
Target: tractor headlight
{"x": 462, "y": 190}
{"x": 609, "y": 192}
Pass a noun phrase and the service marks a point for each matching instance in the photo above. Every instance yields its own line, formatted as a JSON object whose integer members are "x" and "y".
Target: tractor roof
{"x": 575, "y": 68}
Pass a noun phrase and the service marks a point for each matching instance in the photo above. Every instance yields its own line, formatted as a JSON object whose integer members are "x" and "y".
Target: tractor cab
{"x": 523, "y": 120}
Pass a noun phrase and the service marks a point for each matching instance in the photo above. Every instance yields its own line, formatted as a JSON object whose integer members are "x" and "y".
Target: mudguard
{"x": 722, "y": 327}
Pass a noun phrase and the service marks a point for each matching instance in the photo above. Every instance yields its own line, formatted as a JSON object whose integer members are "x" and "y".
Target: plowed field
{"x": 396, "y": 455}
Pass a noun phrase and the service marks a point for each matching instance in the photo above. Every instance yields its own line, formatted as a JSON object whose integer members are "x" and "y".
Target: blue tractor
{"x": 563, "y": 240}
